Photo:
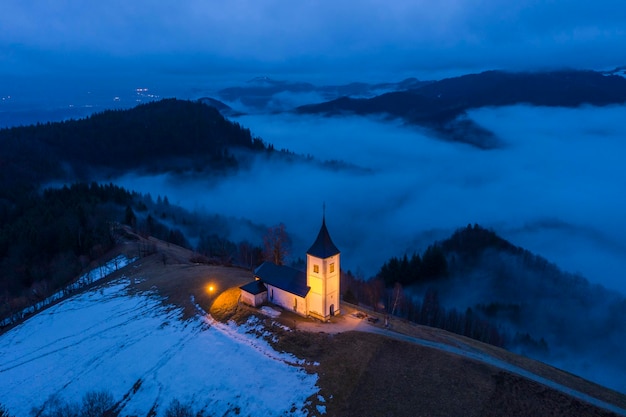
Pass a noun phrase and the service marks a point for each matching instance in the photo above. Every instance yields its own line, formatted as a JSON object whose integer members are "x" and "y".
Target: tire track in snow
{"x": 151, "y": 373}
{"x": 84, "y": 334}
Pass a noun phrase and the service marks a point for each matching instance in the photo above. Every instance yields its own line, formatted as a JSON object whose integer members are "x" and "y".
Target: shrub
{"x": 178, "y": 409}
{"x": 94, "y": 404}
{"x": 97, "y": 404}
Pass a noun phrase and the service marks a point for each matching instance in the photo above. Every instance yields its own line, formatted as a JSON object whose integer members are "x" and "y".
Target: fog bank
{"x": 555, "y": 187}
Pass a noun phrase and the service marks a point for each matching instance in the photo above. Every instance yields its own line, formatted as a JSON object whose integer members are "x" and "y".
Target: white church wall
{"x": 287, "y": 300}
{"x": 248, "y": 298}
{"x": 254, "y": 300}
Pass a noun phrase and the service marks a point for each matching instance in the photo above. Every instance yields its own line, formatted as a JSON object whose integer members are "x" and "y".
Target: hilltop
{"x": 160, "y": 136}
{"x": 414, "y": 370}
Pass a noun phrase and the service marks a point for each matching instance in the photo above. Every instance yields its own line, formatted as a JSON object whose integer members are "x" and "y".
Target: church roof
{"x": 255, "y": 287}
{"x": 323, "y": 247}
{"x": 283, "y": 277}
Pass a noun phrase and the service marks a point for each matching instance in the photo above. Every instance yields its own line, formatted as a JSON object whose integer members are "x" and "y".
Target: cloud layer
{"x": 555, "y": 188}
{"x": 309, "y": 36}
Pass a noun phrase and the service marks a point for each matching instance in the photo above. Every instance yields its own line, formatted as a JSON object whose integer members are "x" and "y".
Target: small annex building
{"x": 314, "y": 292}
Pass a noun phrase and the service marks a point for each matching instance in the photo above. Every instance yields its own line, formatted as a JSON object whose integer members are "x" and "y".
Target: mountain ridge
{"x": 442, "y": 105}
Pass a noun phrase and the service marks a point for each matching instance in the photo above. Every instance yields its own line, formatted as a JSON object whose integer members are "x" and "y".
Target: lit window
{"x": 316, "y": 269}
{"x": 332, "y": 267}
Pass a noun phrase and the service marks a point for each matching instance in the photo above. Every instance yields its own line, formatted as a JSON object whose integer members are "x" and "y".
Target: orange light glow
{"x": 210, "y": 288}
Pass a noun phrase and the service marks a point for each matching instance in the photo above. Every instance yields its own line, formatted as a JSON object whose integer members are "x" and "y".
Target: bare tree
{"x": 398, "y": 297}
{"x": 97, "y": 404}
{"x": 250, "y": 256}
{"x": 375, "y": 289}
{"x": 277, "y": 244}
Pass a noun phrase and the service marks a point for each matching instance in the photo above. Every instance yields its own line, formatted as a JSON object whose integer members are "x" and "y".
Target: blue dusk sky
{"x": 356, "y": 39}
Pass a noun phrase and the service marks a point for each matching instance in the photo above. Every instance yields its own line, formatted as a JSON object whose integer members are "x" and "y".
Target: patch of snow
{"x": 269, "y": 311}
{"x": 140, "y": 350}
{"x": 281, "y": 326}
{"x": 321, "y": 409}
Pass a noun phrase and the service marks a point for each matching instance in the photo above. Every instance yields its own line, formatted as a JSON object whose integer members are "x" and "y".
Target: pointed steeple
{"x": 323, "y": 247}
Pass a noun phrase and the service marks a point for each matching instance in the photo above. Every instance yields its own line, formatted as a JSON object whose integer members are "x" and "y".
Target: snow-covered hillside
{"x": 140, "y": 350}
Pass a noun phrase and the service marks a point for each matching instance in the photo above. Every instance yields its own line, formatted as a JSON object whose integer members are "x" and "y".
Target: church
{"x": 311, "y": 293}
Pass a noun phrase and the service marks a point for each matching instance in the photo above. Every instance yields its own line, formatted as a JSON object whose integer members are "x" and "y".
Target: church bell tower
{"x": 323, "y": 272}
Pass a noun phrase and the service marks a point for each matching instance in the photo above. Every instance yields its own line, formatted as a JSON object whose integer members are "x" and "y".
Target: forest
{"x": 478, "y": 284}
{"x": 161, "y": 136}
{"x": 397, "y": 287}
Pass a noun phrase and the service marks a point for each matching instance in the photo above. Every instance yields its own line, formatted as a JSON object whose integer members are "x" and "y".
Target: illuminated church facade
{"x": 313, "y": 293}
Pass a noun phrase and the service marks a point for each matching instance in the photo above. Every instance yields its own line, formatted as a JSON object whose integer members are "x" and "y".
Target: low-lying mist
{"x": 555, "y": 187}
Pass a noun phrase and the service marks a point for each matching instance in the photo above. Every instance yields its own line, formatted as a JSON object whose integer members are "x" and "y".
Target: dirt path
{"x": 350, "y": 322}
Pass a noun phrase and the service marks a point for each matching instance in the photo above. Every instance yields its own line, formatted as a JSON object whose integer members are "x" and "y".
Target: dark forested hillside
{"x": 480, "y": 285}
{"x": 440, "y": 105}
{"x": 159, "y": 136}
{"x": 47, "y": 238}
{"x": 452, "y": 96}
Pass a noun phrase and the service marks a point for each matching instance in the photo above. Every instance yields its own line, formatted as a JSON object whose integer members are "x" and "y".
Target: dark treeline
{"x": 456, "y": 254}
{"x": 431, "y": 265}
{"x": 48, "y": 238}
{"x": 427, "y": 310}
{"x": 477, "y": 284}
{"x": 159, "y": 136}
{"x": 396, "y": 287}
{"x": 390, "y": 290}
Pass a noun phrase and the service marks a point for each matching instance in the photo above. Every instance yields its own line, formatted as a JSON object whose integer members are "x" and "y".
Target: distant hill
{"x": 480, "y": 285}
{"x": 224, "y": 109}
{"x": 442, "y": 105}
{"x": 159, "y": 136}
{"x": 260, "y": 91}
